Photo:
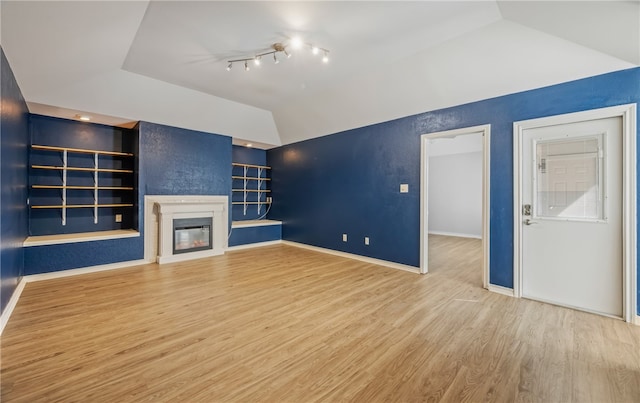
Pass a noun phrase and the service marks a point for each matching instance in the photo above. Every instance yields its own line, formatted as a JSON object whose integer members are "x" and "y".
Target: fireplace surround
{"x": 205, "y": 218}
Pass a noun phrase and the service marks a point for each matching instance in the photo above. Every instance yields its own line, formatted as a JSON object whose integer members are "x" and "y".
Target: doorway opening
{"x": 450, "y": 156}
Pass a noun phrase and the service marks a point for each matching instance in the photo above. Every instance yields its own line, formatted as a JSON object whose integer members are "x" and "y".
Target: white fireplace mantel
{"x": 160, "y": 211}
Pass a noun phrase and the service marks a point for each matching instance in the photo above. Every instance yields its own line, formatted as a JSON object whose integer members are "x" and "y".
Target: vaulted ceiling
{"x": 165, "y": 61}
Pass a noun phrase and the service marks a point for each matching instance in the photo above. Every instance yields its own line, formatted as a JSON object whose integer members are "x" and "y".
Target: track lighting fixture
{"x": 295, "y": 43}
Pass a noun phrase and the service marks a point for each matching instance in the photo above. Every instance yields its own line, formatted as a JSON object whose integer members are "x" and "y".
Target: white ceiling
{"x": 164, "y": 61}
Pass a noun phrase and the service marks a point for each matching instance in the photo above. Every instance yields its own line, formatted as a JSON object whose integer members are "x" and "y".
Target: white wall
{"x": 455, "y": 186}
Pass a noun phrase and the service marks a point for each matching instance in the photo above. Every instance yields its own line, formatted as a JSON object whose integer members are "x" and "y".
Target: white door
{"x": 572, "y": 215}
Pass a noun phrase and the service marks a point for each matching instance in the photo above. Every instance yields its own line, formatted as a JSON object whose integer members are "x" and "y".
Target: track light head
{"x": 325, "y": 58}
{"x": 256, "y": 61}
{"x": 275, "y": 59}
{"x": 246, "y": 66}
{"x": 229, "y": 66}
{"x": 315, "y": 50}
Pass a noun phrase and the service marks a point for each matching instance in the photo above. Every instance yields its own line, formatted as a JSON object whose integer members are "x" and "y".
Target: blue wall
{"x": 177, "y": 161}
{"x": 246, "y": 155}
{"x": 171, "y": 161}
{"x": 14, "y": 132}
{"x": 349, "y": 182}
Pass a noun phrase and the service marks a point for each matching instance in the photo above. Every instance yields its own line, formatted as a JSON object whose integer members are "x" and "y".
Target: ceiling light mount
{"x": 276, "y": 48}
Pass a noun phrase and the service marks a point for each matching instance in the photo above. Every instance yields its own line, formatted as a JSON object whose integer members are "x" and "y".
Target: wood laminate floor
{"x": 284, "y": 324}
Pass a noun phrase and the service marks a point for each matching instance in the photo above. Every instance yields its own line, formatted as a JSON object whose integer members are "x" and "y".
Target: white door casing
{"x": 485, "y": 130}
{"x": 578, "y": 173}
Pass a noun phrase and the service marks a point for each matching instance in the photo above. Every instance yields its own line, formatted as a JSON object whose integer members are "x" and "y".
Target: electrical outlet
{"x": 404, "y": 188}
{"x": 344, "y": 237}
{"x": 269, "y": 199}
{"x": 118, "y": 217}
{"x": 366, "y": 240}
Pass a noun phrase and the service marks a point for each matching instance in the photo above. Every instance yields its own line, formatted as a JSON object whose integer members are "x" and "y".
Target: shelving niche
{"x": 251, "y": 181}
{"x": 101, "y": 171}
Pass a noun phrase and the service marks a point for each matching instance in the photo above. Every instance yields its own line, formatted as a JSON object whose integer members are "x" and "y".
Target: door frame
{"x": 629, "y": 219}
{"x": 486, "y": 194}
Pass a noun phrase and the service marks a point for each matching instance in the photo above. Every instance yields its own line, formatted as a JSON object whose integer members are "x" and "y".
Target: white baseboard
{"x": 254, "y": 245}
{"x": 366, "y": 259}
{"x": 83, "y": 270}
{"x": 455, "y": 234}
{"x": 13, "y": 301}
{"x": 501, "y": 290}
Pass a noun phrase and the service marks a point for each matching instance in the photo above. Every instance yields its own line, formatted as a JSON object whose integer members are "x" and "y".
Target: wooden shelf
{"x": 82, "y": 187}
{"x": 251, "y": 174}
{"x": 254, "y": 223}
{"x": 40, "y": 240}
{"x": 80, "y": 150}
{"x": 55, "y": 168}
{"x": 83, "y": 206}
{"x": 237, "y": 164}
{"x": 250, "y": 178}
{"x": 95, "y": 171}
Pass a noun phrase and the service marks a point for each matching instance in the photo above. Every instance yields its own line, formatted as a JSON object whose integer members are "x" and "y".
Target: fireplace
{"x": 192, "y": 234}
{"x": 180, "y": 228}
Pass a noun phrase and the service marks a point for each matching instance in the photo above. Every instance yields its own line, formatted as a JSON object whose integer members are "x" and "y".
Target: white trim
{"x": 82, "y": 270}
{"x": 254, "y": 223}
{"x": 379, "y": 262}
{"x": 444, "y": 233}
{"x": 629, "y": 218}
{"x": 59, "y": 239}
{"x": 637, "y": 322}
{"x": 13, "y": 301}
{"x": 254, "y": 245}
{"x": 498, "y": 289}
{"x": 486, "y": 194}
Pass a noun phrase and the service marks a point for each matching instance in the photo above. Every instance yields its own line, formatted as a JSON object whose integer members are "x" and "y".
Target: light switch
{"x": 118, "y": 217}
{"x": 404, "y": 188}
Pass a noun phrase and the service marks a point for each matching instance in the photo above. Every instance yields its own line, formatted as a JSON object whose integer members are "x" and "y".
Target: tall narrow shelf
{"x": 251, "y": 174}
{"x": 98, "y": 191}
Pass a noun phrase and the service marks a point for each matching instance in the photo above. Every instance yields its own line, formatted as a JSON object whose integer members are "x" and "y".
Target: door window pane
{"x": 568, "y": 179}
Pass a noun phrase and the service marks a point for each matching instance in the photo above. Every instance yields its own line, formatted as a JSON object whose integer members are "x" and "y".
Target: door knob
{"x": 529, "y": 222}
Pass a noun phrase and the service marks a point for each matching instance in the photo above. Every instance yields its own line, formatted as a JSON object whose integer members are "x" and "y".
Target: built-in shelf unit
{"x": 251, "y": 182}
{"x": 98, "y": 171}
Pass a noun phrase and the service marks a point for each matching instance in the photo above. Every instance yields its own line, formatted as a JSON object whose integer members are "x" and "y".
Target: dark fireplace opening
{"x": 192, "y": 234}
